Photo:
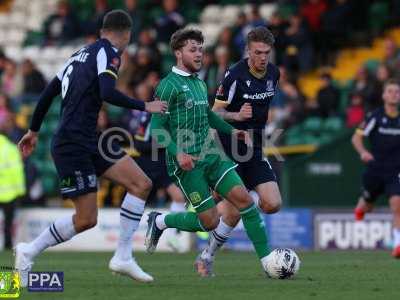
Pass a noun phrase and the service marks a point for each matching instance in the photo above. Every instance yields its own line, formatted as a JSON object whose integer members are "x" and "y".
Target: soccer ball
{"x": 282, "y": 263}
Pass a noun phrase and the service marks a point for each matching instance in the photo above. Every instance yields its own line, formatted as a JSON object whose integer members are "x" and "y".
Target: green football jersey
{"x": 187, "y": 120}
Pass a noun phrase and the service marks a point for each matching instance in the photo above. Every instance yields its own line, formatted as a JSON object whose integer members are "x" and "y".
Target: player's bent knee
{"x": 82, "y": 224}
{"x": 271, "y": 207}
{"x": 240, "y": 197}
{"x": 210, "y": 225}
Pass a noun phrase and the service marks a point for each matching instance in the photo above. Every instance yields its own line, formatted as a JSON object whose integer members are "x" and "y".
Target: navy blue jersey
{"x": 142, "y": 135}
{"x": 240, "y": 86}
{"x": 80, "y": 93}
{"x": 383, "y": 133}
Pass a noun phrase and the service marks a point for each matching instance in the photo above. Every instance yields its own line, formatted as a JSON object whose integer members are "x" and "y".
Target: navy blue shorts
{"x": 376, "y": 182}
{"x": 155, "y": 170}
{"x": 253, "y": 171}
{"x": 79, "y": 166}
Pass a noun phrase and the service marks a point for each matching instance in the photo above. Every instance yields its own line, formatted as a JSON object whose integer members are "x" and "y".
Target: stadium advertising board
{"x": 291, "y": 228}
{"x": 103, "y": 237}
{"x": 341, "y": 231}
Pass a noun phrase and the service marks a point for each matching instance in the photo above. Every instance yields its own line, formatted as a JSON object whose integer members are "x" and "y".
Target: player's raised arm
{"x": 219, "y": 124}
{"x": 110, "y": 94}
{"x": 358, "y": 137}
{"x": 28, "y": 142}
{"x": 223, "y": 98}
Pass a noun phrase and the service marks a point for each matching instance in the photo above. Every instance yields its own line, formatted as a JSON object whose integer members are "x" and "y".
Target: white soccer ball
{"x": 282, "y": 263}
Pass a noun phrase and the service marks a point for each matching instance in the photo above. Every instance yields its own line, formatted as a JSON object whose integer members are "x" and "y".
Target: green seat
{"x": 372, "y": 65}
{"x": 312, "y": 125}
{"x": 333, "y": 124}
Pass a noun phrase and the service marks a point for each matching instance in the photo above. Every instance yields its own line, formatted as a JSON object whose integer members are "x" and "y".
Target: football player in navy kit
{"x": 85, "y": 81}
{"x": 382, "y": 175}
{"x": 243, "y": 99}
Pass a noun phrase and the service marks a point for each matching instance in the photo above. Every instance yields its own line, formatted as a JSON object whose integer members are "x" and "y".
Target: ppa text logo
{"x": 46, "y": 281}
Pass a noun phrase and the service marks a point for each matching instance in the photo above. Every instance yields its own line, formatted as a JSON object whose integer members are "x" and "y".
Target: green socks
{"x": 185, "y": 221}
{"x": 255, "y": 230}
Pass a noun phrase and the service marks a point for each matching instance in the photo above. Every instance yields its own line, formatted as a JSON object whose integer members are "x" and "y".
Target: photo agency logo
{"x": 9, "y": 282}
{"x": 46, "y": 281}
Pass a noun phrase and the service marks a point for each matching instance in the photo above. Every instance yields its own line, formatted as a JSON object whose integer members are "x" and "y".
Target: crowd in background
{"x": 307, "y": 34}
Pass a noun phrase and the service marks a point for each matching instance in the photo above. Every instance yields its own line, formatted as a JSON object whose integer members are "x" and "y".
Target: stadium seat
{"x": 333, "y": 124}
{"x": 266, "y": 10}
{"x": 211, "y": 14}
{"x": 312, "y": 124}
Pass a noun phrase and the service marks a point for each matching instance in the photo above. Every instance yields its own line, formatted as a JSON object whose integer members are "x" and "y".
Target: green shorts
{"x": 212, "y": 173}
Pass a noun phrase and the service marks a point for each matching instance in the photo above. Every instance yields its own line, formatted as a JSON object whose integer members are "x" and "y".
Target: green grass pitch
{"x": 323, "y": 275}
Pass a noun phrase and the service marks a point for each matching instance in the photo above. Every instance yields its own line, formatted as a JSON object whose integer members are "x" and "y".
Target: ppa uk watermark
{"x": 113, "y": 140}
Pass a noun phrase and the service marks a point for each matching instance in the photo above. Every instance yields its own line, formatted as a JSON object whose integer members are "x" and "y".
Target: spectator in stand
{"x": 61, "y": 27}
{"x": 147, "y": 39}
{"x": 4, "y": 107}
{"x": 131, "y": 7}
{"x": 355, "y": 112}
{"x": 392, "y": 56}
{"x": 11, "y": 79}
{"x": 366, "y": 85}
{"x": 33, "y": 80}
{"x": 278, "y": 25}
{"x": 152, "y": 79}
{"x": 143, "y": 65}
{"x": 226, "y": 39}
{"x": 328, "y": 97}
{"x": 289, "y": 103}
{"x": 335, "y": 25}
{"x": 2, "y": 61}
{"x": 312, "y": 11}
{"x": 170, "y": 21}
{"x": 95, "y": 22}
{"x": 254, "y": 18}
{"x": 222, "y": 60}
{"x": 298, "y": 54}
{"x": 240, "y": 33}
{"x": 383, "y": 73}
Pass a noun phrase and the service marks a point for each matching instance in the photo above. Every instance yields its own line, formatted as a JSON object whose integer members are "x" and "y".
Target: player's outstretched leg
{"x": 204, "y": 220}
{"x": 60, "y": 231}
{"x": 126, "y": 173}
{"x": 395, "y": 207}
{"x": 232, "y": 188}
{"x": 177, "y": 205}
{"x": 229, "y": 218}
{"x": 267, "y": 199}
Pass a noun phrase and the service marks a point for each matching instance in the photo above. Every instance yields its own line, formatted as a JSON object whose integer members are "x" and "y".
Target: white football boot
{"x": 129, "y": 268}
{"x": 23, "y": 262}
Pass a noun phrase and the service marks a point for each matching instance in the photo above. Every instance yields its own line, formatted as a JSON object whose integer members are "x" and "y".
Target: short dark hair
{"x": 180, "y": 38}
{"x": 261, "y": 34}
{"x": 117, "y": 20}
{"x": 390, "y": 82}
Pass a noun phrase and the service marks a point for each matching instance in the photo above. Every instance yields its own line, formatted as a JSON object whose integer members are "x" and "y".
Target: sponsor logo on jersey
{"x": 248, "y": 83}
{"x": 389, "y": 131}
{"x": 259, "y": 96}
{"x": 185, "y": 88}
{"x": 270, "y": 85}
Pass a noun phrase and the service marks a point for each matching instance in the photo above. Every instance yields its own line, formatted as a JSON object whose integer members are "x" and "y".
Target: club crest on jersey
{"x": 220, "y": 91}
{"x": 115, "y": 62}
{"x": 270, "y": 85}
{"x": 189, "y": 103}
{"x": 248, "y": 83}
